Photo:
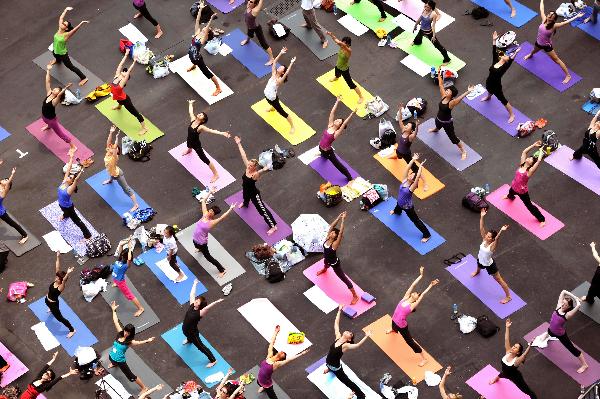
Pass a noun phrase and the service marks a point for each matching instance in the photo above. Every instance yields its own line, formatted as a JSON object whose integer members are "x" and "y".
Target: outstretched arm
{"x": 595, "y": 252}
{"x": 521, "y": 359}
{"x": 288, "y": 70}
{"x": 57, "y": 265}
{"x": 507, "y": 344}
{"x": 339, "y": 42}
{"x": 340, "y": 235}
{"x": 47, "y": 80}
{"x": 336, "y": 323}
{"x": 204, "y": 311}
{"x": 191, "y": 110}
{"x": 495, "y": 242}
{"x": 333, "y": 109}
{"x": 454, "y": 102}
{"x": 441, "y": 82}
{"x": 482, "y": 229}
{"x": 537, "y": 164}
{"x": 290, "y": 358}
{"x": 197, "y": 29}
{"x": 415, "y": 183}
{"x": 257, "y": 8}
{"x": 75, "y": 29}
{"x": 442, "y": 385}
{"x": 594, "y": 119}
{"x": 113, "y": 307}
{"x": 431, "y": 285}
{"x": 567, "y": 21}
{"x": 542, "y": 11}
{"x": 120, "y": 66}
{"x": 224, "y": 215}
{"x": 61, "y": 19}
{"x": 334, "y": 223}
{"x": 109, "y": 139}
{"x": 193, "y": 292}
{"x": 573, "y": 311}
{"x": 526, "y": 150}
{"x": 414, "y": 283}
{"x": 359, "y": 343}
{"x": 344, "y": 124}
{"x": 238, "y": 141}
{"x": 73, "y": 186}
{"x": 154, "y": 388}
{"x": 214, "y": 131}
{"x": 272, "y": 342}
{"x": 274, "y": 64}
{"x": 146, "y": 341}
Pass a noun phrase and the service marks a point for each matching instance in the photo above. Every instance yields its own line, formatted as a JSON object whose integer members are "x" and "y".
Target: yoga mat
{"x": 56, "y": 145}
{"x": 329, "y": 172}
{"x": 83, "y": 336}
{"x": 200, "y": 83}
{"x": 408, "y": 24}
{"x": 224, "y": 6}
{"x": 440, "y": 143}
{"x": 320, "y": 299}
{"x": 410, "y": 8}
{"x": 64, "y": 75}
{"x": 591, "y": 311}
{"x": 181, "y": 290}
{"x": 404, "y": 228}
{"x": 264, "y": 316}
{"x": 349, "y": 97}
{"x": 331, "y": 387}
{"x": 256, "y": 222}
{"x": 11, "y": 238}
{"x": 503, "y": 389}
{"x": 564, "y": 360}
{"x": 127, "y": 123}
{"x": 67, "y": 229}
{"x": 308, "y": 36}
{"x": 367, "y": 14}
{"x": 542, "y": 66}
{"x": 192, "y": 163}
{"x": 426, "y": 52}
{"x": 524, "y": 14}
{"x": 232, "y": 267}
{"x": 114, "y": 388}
{"x": 590, "y": 107}
{"x": 126, "y": 308}
{"x": 516, "y": 210}
{"x": 133, "y": 34}
{"x": 335, "y": 289}
{"x": 583, "y": 171}
{"x": 302, "y": 133}
{"x": 353, "y": 25}
{"x": 16, "y": 369}
{"x": 591, "y": 29}
{"x": 485, "y": 288}
{"x": 251, "y": 55}
{"x": 398, "y": 350}
{"x": 397, "y": 165}
{"x": 251, "y": 391}
{"x": 416, "y": 65}
{"x": 195, "y": 359}
{"x": 113, "y": 194}
{"x": 45, "y": 337}
{"x": 495, "y": 112}
{"x": 3, "y": 133}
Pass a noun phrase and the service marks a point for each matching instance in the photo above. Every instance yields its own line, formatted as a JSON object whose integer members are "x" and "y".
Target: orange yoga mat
{"x": 396, "y": 348}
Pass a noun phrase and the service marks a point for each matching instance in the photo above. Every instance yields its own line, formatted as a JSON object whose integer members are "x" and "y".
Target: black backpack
{"x": 273, "y": 270}
{"x": 474, "y": 202}
{"x": 272, "y": 30}
{"x": 205, "y": 14}
{"x": 485, "y": 327}
{"x": 140, "y": 151}
{"x": 3, "y": 256}
{"x": 480, "y": 13}
{"x": 97, "y": 246}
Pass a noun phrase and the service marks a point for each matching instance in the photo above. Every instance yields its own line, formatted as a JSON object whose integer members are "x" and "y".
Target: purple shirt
{"x": 327, "y": 140}
{"x": 557, "y": 323}
{"x": 139, "y": 3}
{"x": 201, "y": 232}
{"x": 544, "y": 36}
{"x": 402, "y": 310}
{"x": 404, "y": 197}
{"x": 265, "y": 374}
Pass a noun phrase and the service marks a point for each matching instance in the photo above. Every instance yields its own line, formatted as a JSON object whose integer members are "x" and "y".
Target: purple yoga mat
{"x": 67, "y": 229}
{"x": 503, "y": 389}
{"x": 496, "y": 113}
{"x": 329, "y": 172}
{"x": 584, "y": 171}
{"x": 224, "y": 6}
{"x": 251, "y": 216}
{"x": 56, "y": 145}
{"x": 485, "y": 288}
{"x": 542, "y": 66}
{"x": 16, "y": 369}
{"x": 564, "y": 360}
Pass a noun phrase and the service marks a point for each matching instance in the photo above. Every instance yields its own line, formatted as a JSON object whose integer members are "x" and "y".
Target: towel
{"x": 46, "y": 338}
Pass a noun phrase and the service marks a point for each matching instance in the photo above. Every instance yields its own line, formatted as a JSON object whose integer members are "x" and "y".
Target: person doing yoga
{"x": 513, "y": 358}
{"x": 406, "y": 306}
{"x": 519, "y": 185}
{"x": 590, "y": 142}
{"x": 122, "y": 75}
{"x": 513, "y": 10}
{"x": 310, "y": 20}
{"x": 426, "y": 24}
{"x": 342, "y": 65}
{"x": 253, "y": 8}
{"x": 170, "y": 243}
{"x": 45, "y": 380}
{"x": 335, "y": 128}
{"x": 493, "y": 84}
{"x": 595, "y": 11}
{"x": 410, "y": 181}
{"x": 140, "y": 6}
{"x": 408, "y": 135}
{"x": 486, "y": 251}
{"x": 250, "y": 193}
{"x": 330, "y": 259}
{"x": 54, "y": 291}
{"x": 114, "y": 172}
{"x": 5, "y": 186}
{"x": 229, "y": 389}
{"x": 119, "y": 268}
{"x": 279, "y": 76}
{"x": 442, "y": 386}
{"x": 594, "y": 290}
{"x": 197, "y": 310}
{"x": 65, "y": 191}
{"x": 378, "y": 4}
{"x": 268, "y": 366}
{"x": 54, "y": 97}
{"x": 543, "y": 41}
{"x": 59, "y": 45}
{"x": 201, "y": 36}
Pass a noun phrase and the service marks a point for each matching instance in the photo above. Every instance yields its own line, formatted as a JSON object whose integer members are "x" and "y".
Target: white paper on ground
{"x": 133, "y": 34}
{"x": 334, "y": 389}
{"x": 355, "y": 27}
{"x": 46, "y": 338}
{"x": 408, "y": 24}
{"x": 310, "y": 155}
{"x": 113, "y": 387}
{"x": 171, "y": 274}
{"x": 320, "y": 299}
{"x": 56, "y": 242}
{"x": 225, "y": 50}
{"x": 416, "y": 65}
{"x": 196, "y": 79}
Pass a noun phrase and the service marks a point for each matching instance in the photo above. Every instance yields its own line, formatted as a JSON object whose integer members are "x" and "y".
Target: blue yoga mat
{"x": 113, "y": 194}
{"x": 83, "y": 336}
{"x": 193, "y": 357}
{"x": 404, "y": 228}
{"x": 3, "y": 133}
{"x": 590, "y": 107}
{"x": 251, "y": 55}
{"x": 500, "y": 8}
{"x": 591, "y": 29}
{"x": 181, "y": 291}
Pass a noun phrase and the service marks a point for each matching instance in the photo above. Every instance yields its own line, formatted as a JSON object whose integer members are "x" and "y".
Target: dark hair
{"x": 52, "y": 374}
{"x": 347, "y": 40}
{"x": 124, "y": 255}
{"x": 453, "y": 90}
{"x": 520, "y": 352}
{"x": 284, "y": 71}
{"x": 570, "y": 302}
{"x": 61, "y": 275}
{"x": 412, "y": 124}
{"x": 130, "y": 328}
{"x": 431, "y": 4}
{"x": 550, "y": 25}
{"x": 69, "y": 26}
{"x": 230, "y": 387}
{"x": 337, "y": 231}
{"x": 204, "y": 117}
{"x": 124, "y": 69}
{"x": 203, "y": 302}
{"x": 494, "y": 233}
{"x": 210, "y": 35}
{"x": 351, "y": 339}
{"x": 171, "y": 231}
{"x": 216, "y": 210}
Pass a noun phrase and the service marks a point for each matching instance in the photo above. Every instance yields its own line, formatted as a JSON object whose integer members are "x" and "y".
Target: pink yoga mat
{"x": 56, "y": 144}
{"x": 16, "y": 369}
{"x": 516, "y": 210}
{"x": 200, "y": 170}
{"x": 330, "y": 283}
{"x": 503, "y": 389}
{"x": 410, "y": 8}
{"x": 564, "y": 360}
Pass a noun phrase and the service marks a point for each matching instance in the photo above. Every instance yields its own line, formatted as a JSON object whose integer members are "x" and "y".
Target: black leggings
{"x": 330, "y": 155}
{"x": 346, "y": 75}
{"x": 260, "y": 36}
{"x": 200, "y": 151}
{"x": 436, "y": 43}
{"x": 129, "y": 107}
{"x": 146, "y": 14}
{"x": 407, "y": 158}
{"x": 261, "y": 208}
{"x": 337, "y": 269}
{"x": 9, "y": 221}
{"x": 124, "y": 367}
{"x": 594, "y": 291}
{"x": 564, "y": 339}
{"x": 204, "y": 249}
{"x": 378, "y": 4}
{"x": 173, "y": 263}
{"x": 66, "y": 61}
{"x": 69, "y": 213}
{"x": 270, "y": 391}
{"x": 514, "y": 375}
{"x": 193, "y": 337}
{"x": 407, "y": 337}
{"x": 199, "y": 62}
{"x": 448, "y": 127}
{"x": 592, "y": 153}
{"x": 412, "y": 215}
{"x": 55, "y": 310}
{"x": 344, "y": 379}
{"x": 527, "y": 201}
{"x": 496, "y": 90}
{"x": 277, "y": 105}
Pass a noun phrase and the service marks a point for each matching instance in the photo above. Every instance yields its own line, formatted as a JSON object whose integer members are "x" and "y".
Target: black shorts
{"x": 448, "y": 127}
{"x": 491, "y": 269}
{"x": 547, "y": 48}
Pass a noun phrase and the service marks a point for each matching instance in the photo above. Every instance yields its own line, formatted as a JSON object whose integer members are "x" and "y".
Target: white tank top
{"x": 271, "y": 89}
{"x": 485, "y": 255}
{"x": 509, "y": 363}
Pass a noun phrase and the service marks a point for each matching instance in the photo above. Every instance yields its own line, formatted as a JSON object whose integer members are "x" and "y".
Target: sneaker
{"x": 375, "y": 143}
{"x": 382, "y": 42}
{"x": 227, "y": 289}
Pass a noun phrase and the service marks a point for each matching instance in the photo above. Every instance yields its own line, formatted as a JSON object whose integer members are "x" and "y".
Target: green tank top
{"x": 60, "y": 44}
{"x": 343, "y": 59}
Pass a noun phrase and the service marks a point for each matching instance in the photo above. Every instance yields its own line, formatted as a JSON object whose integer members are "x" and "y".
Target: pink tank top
{"x": 201, "y": 232}
{"x": 557, "y": 323}
{"x": 544, "y": 36}
{"x": 519, "y": 183}
{"x": 402, "y": 310}
{"x": 327, "y": 140}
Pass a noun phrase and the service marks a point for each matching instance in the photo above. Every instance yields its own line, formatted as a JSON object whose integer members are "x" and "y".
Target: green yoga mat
{"x": 426, "y": 52}
{"x": 127, "y": 122}
{"x": 367, "y": 14}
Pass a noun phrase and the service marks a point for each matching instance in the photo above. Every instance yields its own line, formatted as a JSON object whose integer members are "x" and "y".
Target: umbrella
{"x": 310, "y": 231}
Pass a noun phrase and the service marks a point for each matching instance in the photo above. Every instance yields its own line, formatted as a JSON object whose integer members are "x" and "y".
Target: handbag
{"x": 126, "y": 144}
{"x": 485, "y": 327}
{"x": 377, "y": 106}
{"x": 384, "y": 126}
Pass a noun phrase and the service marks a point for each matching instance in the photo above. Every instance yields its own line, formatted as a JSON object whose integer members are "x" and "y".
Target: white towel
{"x": 171, "y": 274}
{"x": 477, "y": 91}
{"x": 353, "y": 25}
{"x": 56, "y": 242}
{"x": 225, "y": 50}
{"x": 538, "y": 342}
{"x": 133, "y": 34}
{"x": 216, "y": 377}
{"x": 46, "y": 338}
{"x": 320, "y": 299}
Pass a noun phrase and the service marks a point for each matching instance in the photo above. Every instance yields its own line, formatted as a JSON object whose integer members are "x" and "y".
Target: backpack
{"x": 97, "y": 246}
{"x": 485, "y": 327}
{"x": 3, "y": 256}
{"x": 525, "y": 129}
{"x": 480, "y": 13}
{"x": 278, "y": 30}
{"x": 85, "y": 277}
{"x": 205, "y": 13}
{"x": 144, "y": 215}
{"x": 139, "y": 151}
{"x": 474, "y": 202}
{"x": 550, "y": 141}
{"x": 327, "y": 5}
{"x": 273, "y": 271}
{"x": 333, "y": 196}
{"x": 376, "y": 106}
{"x": 369, "y": 199}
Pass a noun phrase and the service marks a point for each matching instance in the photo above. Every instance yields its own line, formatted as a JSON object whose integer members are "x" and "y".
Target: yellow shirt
{"x": 110, "y": 162}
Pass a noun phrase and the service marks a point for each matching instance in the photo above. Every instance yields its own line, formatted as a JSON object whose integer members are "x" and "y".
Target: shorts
{"x": 122, "y": 286}
{"x": 491, "y": 269}
{"x": 547, "y": 48}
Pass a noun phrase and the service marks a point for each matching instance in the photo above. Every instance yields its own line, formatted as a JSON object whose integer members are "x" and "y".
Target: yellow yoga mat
{"x": 349, "y": 96}
{"x": 279, "y": 123}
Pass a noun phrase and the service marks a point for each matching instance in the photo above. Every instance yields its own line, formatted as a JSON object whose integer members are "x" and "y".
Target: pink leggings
{"x": 58, "y": 129}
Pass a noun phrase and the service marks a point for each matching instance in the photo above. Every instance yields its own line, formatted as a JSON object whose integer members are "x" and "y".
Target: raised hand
{"x": 422, "y": 270}
{"x": 494, "y": 35}
{"x": 508, "y": 323}
{"x": 504, "y": 228}
{"x": 191, "y": 101}
{"x": 483, "y": 211}
{"x": 434, "y": 283}
{"x": 114, "y": 306}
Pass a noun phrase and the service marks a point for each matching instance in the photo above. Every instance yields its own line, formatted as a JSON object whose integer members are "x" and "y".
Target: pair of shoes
{"x": 227, "y": 289}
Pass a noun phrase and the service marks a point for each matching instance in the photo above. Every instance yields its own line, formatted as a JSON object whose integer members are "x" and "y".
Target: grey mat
{"x": 591, "y": 311}
{"x": 126, "y": 308}
{"x": 64, "y": 75}
{"x": 11, "y": 238}
{"x": 308, "y": 36}
{"x": 251, "y": 391}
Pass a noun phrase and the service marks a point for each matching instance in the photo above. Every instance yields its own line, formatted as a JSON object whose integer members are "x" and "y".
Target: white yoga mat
{"x": 171, "y": 274}
{"x": 320, "y": 299}
{"x": 416, "y": 65}
{"x": 46, "y": 338}
{"x": 56, "y": 242}
{"x": 352, "y": 24}
{"x": 196, "y": 79}
{"x": 307, "y": 157}
{"x": 133, "y": 34}
{"x": 264, "y": 316}
{"x": 334, "y": 389}
{"x": 114, "y": 388}
{"x": 408, "y": 24}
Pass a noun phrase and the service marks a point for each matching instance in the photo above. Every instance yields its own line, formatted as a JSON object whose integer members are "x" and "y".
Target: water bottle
{"x": 78, "y": 94}
{"x": 415, "y": 115}
{"x": 486, "y": 187}
{"x": 454, "y": 312}
{"x": 388, "y": 40}
{"x": 334, "y": 9}
{"x": 433, "y": 72}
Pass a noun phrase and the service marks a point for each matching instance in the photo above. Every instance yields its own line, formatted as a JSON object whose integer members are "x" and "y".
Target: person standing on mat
{"x": 590, "y": 142}
{"x": 65, "y": 191}
{"x": 514, "y": 357}
{"x": 250, "y": 193}
{"x": 546, "y": 30}
{"x": 119, "y": 268}
{"x": 201, "y": 36}
{"x": 111, "y": 158}
{"x": 54, "y": 291}
{"x": 442, "y": 386}
{"x": 5, "y": 186}
{"x": 343, "y": 343}
{"x": 594, "y": 290}
{"x": 513, "y": 10}
{"x": 197, "y": 310}
{"x": 140, "y": 6}
{"x": 486, "y": 250}
{"x": 409, "y": 184}
{"x": 342, "y": 65}
{"x": 278, "y": 77}
{"x": 45, "y": 380}
{"x": 426, "y": 24}
{"x": 493, "y": 84}
{"x": 330, "y": 259}
{"x": 119, "y": 82}
{"x": 59, "y": 45}
{"x": 125, "y": 338}
{"x": 406, "y": 306}
{"x": 170, "y": 243}
{"x": 378, "y": 4}
{"x": 54, "y": 96}
{"x": 519, "y": 185}
{"x": 310, "y": 20}
{"x": 253, "y": 7}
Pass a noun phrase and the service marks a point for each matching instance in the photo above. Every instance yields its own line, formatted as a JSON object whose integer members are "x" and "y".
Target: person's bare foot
{"x": 566, "y": 79}
{"x": 486, "y": 98}
{"x": 511, "y": 119}
{"x": 209, "y": 365}
{"x": 270, "y": 109}
{"x": 240, "y": 206}
{"x": 83, "y": 82}
{"x": 23, "y": 240}
{"x": 528, "y": 56}
{"x": 425, "y": 187}
{"x": 180, "y": 278}
{"x": 475, "y": 273}
{"x": 325, "y": 44}
{"x": 190, "y": 69}
{"x": 326, "y": 370}
{"x": 422, "y": 363}
{"x": 260, "y": 389}
{"x": 321, "y": 271}
{"x": 107, "y": 181}
{"x": 159, "y": 33}
{"x": 463, "y": 155}
{"x": 114, "y": 285}
{"x": 542, "y": 224}
{"x": 304, "y": 25}
{"x": 493, "y": 381}
{"x": 425, "y": 239}
{"x": 134, "y": 207}
{"x": 214, "y": 178}
{"x": 292, "y": 130}
{"x": 138, "y": 313}
{"x": 389, "y": 331}
{"x": 143, "y": 131}
{"x": 270, "y": 62}
{"x": 185, "y": 341}
{"x": 583, "y": 298}
{"x": 186, "y": 152}
{"x": 272, "y": 230}
{"x": 506, "y": 300}
{"x": 392, "y": 212}
{"x": 381, "y": 20}
{"x": 355, "y": 299}
{"x": 333, "y": 79}
{"x": 69, "y": 335}
{"x": 231, "y": 1}
{"x": 582, "y": 369}
{"x": 222, "y": 274}
{"x": 137, "y": 15}
{"x": 244, "y": 42}
{"x": 110, "y": 365}
{"x": 143, "y": 390}
{"x": 45, "y": 127}
{"x": 433, "y": 130}
{"x": 360, "y": 100}
{"x": 513, "y": 12}
{"x": 116, "y": 107}
{"x": 217, "y": 92}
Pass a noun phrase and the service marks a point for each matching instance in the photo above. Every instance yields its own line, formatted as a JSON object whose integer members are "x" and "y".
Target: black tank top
{"x": 444, "y": 112}
{"x": 53, "y": 293}
{"x": 193, "y": 138}
{"x": 191, "y": 319}
{"x": 403, "y": 145}
{"x": 249, "y": 186}
{"x": 330, "y": 255}
{"x": 334, "y": 356}
{"x": 48, "y": 110}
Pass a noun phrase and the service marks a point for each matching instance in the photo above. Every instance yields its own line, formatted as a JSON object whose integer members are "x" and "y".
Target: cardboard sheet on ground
{"x": 406, "y": 23}
{"x": 3, "y": 133}
{"x": 224, "y": 6}
{"x": 113, "y": 194}
{"x": 320, "y": 299}
{"x": 67, "y": 229}
{"x": 11, "y": 238}
{"x": 330, "y": 173}
{"x": 331, "y": 387}
{"x": 55, "y": 144}
{"x": 367, "y": 14}
{"x": 426, "y": 52}
{"x": 591, "y": 29}
{"x": 584, "y": 171}
{"x": 127, "y": 123}
{"x": 251, "y": 55}
{"x": 349, "y": 97}
{"x": 281, "y": 125}
{"x": 133, "y": 34}
{"x": 16, "y": 369}
{"x": 251, "y": 391}
{"x": 264, "y": 316}
{"x": 200, "y": 83}
{"x": 495, "y": 112}
{"x": 524, "y": 14}
{"x": 591, "y": 311}
{"x": 308, "y": 36}
{"x": 503, "y": 389}
{"x": 353, "y": 25}
{"x": 65, "y": 76}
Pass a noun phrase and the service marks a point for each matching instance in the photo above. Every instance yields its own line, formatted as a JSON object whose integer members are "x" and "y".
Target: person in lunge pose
{"x": 335, "y": 128}
{"x": 119, "y": 268}
{"x": 409, "y": 131}
{"x": 119, "y": 81}
{"x": 170, "y": 243}
{"x": 594, "y": 290}
{"x": 54, "y": 291}
{"x": 59, "y": 45}
{"x": 310, "y": 20}
{"x": 278, "y": 77}
{"x": 426, "y": 24}
{"x": 67, "y": 188}
{"x": 590, "y": 142}
{"x": 114, "y": 172}
{"x": 342, "y": 65}
{"x": 5, "y": 186}
{"x": 54, "y": 96}
{"x": 201, "y": 36}
{"x": 140, "y": 6}
{"x": 253, "y": 7}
